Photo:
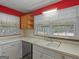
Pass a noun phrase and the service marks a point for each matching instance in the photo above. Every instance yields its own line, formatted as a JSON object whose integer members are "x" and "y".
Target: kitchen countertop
{"x": 64, "y": 48}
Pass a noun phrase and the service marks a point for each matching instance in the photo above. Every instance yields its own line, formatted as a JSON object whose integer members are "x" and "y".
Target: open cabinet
{"x": 27, "y": 21}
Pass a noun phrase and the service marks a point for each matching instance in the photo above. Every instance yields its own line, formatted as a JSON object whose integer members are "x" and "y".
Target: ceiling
{"x": 26, "y": 5}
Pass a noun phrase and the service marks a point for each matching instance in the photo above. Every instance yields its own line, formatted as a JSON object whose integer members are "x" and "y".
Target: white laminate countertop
{"x": 64, "y": 48}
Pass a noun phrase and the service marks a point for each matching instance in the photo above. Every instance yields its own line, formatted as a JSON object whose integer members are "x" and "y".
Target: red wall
{"x": 10, "y": 11}
{"x": 60, "y": 5}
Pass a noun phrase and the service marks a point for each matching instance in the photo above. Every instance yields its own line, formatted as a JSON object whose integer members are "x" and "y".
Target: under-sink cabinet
{"x": 40, "y": 52}
{"x": 39, "y": 55}
{"x": 69, "y": 57}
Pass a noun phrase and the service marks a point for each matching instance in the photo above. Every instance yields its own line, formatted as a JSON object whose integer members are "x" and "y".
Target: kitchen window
{"x": 9, "y": 24}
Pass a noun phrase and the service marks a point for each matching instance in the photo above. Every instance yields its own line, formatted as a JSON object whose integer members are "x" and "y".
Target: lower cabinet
{"x": 0, "y": 50}
{"x": 69, "y": 57}
{"x": 40, "y": 52}
{"x": 43, "y": 53}
{"x": 39, "y": 55}
{"x": 12, "y": 50}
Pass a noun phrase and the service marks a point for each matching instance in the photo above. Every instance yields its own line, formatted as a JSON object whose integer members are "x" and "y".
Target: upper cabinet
{"x": 27, "y": 21}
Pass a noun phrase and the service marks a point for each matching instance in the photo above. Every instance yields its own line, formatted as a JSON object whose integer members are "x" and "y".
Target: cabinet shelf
{"x": 27, "y": 22}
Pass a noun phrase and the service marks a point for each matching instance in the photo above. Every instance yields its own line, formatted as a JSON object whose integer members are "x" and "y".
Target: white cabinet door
{"x": 44, "y": 56}
{"x": 36, "y": 55}
{"x": 58, "y": 56}
{"x": 69, "y": 57}
{"x": 39, "y": 55}
{"x": 11, "y": 50}
{"x": 43, "y": 53}
{"x": 0, "y": 50}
